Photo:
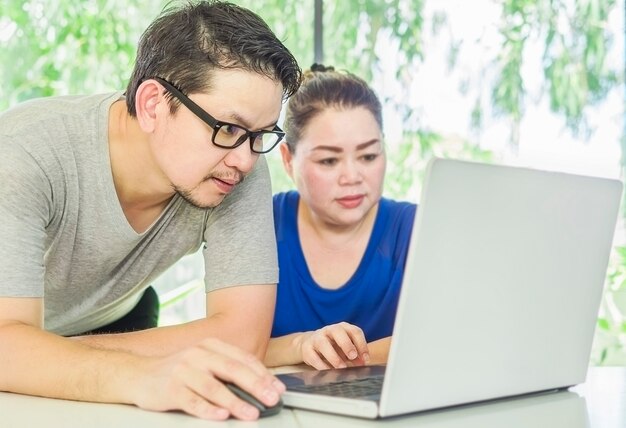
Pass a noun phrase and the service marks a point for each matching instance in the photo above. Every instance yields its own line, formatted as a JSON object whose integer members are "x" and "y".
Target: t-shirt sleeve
{"x": 25, "y": 201}
{"x": 240, "y": 245}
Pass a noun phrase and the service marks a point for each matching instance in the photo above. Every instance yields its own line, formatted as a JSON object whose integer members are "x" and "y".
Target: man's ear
{"x": 287, "y": 156}
{"x": 148, "y": 99}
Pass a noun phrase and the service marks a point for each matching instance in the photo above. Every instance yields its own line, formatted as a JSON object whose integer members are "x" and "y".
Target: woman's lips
{"x": 351, "y": 201}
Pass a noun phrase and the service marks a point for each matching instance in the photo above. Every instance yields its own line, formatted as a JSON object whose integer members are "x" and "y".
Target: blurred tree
{"x": 56, "y": 47}
{"x": 53, "y": 47}
{"x": 573, "y": 37}
{"x": 351, "y": 29}
{"x": 576, "y": 42}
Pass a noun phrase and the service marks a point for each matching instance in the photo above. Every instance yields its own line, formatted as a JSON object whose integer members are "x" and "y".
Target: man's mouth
{"x": 225, "y": 185}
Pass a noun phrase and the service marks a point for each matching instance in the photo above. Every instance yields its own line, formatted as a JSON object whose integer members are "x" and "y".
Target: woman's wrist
{"x": 297, "y": 345}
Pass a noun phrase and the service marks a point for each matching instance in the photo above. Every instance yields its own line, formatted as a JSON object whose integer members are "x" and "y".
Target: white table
{"x": 598, "y": 403}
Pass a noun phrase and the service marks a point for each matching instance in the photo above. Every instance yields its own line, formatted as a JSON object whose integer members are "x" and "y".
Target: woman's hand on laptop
{"x": 334, "y": 346}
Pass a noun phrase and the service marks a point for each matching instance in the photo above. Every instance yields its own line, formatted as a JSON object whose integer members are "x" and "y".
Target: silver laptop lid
{"x": 504, "y": 277}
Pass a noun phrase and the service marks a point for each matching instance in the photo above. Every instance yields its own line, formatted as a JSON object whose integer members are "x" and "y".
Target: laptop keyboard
{"x": 354, "y": 388}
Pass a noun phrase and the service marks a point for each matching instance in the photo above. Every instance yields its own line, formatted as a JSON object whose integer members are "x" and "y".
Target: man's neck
{"x": 140, "y": 187}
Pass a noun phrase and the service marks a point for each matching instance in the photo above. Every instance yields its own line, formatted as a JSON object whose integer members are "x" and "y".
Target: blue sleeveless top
{"x": 370, "y": 297}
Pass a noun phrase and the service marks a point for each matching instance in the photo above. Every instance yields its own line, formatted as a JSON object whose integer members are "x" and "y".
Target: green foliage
{"x": 575, "y": 41}
{"x": 180, "y": 293}
{"x": 291, "y": 21}
{"x": 409, "y": 160}
{"x": 280, "y": 180}
{"x": 354, "y": 27}
{"x": 351, "y": 29}
{"x": 54, "y": 47}
{"x": 610, "y": 340}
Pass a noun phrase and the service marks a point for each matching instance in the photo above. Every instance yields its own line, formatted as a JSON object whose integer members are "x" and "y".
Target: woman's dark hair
{"x": 184, "y": 44}
{"x": 322, "y": 88}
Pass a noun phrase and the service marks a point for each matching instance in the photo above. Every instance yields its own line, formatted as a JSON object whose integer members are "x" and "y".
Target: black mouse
{"x": 249, "y": 398}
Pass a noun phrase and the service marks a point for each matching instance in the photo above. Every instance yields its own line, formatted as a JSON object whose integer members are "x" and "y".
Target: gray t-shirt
{"x": 64, "y": 236}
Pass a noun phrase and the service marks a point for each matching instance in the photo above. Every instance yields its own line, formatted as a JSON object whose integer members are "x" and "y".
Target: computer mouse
{"x": 249, "y": 398}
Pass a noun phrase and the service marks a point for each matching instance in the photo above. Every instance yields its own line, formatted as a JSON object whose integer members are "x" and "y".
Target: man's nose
{"x": 241, "y": 158}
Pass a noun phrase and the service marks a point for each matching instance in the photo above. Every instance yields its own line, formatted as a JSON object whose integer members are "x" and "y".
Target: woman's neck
{"x": 334, "y": 237}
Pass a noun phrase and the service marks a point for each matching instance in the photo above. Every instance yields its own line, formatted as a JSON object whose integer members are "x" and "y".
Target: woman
{"x": 341, "y": 246}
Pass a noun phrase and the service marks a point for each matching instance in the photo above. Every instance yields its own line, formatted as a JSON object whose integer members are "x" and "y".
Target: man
{"x": 100, "y": 194}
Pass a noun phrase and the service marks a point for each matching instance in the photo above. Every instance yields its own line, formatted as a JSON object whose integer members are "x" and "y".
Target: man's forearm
{"x": 35, "y": 362}
{"x": 167, "y": 340}
{"x": 241, "y": 316}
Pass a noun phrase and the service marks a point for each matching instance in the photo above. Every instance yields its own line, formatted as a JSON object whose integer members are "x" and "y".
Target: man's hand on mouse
{"x": 190, "y": 381}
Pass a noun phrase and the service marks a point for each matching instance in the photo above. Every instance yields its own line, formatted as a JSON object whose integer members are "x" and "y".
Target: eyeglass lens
{"x": 232, "y": 135}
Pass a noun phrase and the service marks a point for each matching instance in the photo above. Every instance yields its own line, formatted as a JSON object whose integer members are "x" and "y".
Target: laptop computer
{"x": 505, "y": 272}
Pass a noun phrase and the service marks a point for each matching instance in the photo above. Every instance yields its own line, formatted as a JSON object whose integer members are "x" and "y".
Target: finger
{"x": 344, "y": 342}
{"x": 312, "y": 358}
{"x": 350, "y": 342}
{"x": 266, "y": 389}
{"x": 246, "y": 359}
{"x": 239, "y": 407}
{"x": 358, "y": 339}
{"x": 213, "y": 391}
{"x": 234, "y": 352}
{"x": 195, "y": 405}
{"x": 213, "y": 359}
{"x": 327, "y": 350}
{"x": 225, "y": 362}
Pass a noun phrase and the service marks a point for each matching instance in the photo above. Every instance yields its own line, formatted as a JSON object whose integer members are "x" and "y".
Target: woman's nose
{"x": 350, "y": 173}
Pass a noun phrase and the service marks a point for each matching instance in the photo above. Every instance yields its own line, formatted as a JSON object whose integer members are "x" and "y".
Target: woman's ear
{"x": 148, "y": 97}
{"x": 287, "y": 158}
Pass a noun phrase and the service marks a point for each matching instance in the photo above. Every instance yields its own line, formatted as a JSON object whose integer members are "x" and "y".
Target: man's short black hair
{"x": 185, "y": 43}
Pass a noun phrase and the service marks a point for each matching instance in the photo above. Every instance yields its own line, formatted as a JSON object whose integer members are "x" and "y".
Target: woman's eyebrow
{"x": 338, "y": 149}
{"x": 335, "y": 149}
{"x": 367, "y": 144}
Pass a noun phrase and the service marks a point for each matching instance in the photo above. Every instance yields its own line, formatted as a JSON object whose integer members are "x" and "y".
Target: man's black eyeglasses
{"x": 228, "y": 135}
